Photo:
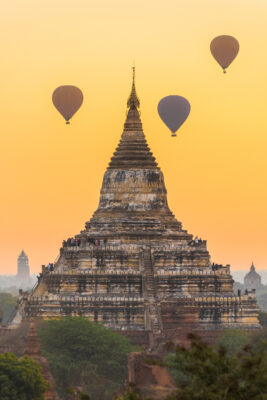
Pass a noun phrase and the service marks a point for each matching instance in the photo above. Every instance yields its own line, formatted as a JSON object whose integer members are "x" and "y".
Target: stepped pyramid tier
{"x": 134, "y": 267}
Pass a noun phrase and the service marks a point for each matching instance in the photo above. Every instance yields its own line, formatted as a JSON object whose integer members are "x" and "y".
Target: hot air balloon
{"x": 224, "y": 49}
{"x": 67, "y": 99}
{"x": 173, "y": 110}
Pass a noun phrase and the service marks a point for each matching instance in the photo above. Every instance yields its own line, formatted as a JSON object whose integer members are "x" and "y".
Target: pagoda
{"x": 23, "y": 272}
{"x": 252, "y": 279}
{"x": 134, "y": 268}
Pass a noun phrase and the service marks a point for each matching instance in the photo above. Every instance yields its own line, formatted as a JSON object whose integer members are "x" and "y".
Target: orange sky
{"x": 215, "y": 170}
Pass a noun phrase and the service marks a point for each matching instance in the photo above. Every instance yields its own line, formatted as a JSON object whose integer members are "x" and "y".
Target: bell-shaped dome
{"x": 252, "y": 278}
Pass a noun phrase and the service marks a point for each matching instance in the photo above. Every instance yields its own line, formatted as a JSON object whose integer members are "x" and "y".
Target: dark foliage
{"x": 7, "y": 305}
{"x": 233, "y": 340}
{"x": 77, "y": 394}
{"x": 263, "y": 318}
{"x": 129, "y": 395}
{"x": 210, "y": 373}
{"x": 85, "y": 354}
{"x": 20, "y": 379}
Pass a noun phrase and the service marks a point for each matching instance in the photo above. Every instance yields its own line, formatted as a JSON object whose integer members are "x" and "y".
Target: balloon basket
{"x": 67, "y": 123}
{"x": 174, "y": 135}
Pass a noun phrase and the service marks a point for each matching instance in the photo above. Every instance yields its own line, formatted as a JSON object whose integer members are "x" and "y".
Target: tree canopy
{"x": 7, "y": 305}
{"x": 85, "y": 354}
{"x": 263, "y": 318}
{"x": 129, "y": 395}
{"x": 233, "y": 340}
{"x": 20, "y": 379}
{"x": 211, "y": 373}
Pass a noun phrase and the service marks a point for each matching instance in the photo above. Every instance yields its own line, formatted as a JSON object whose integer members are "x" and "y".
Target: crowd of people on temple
{"x": 196, "y": 241}
{"x": 50, "y": 267}
{"x": 77, "y": 242}
{"x": 246, "y": 292}
{"x": 72, "y": 242}
{"x": 45, "y": 268}
{"x": 215, "y": 267}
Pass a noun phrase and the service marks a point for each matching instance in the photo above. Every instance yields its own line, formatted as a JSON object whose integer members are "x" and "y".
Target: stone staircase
{"x": 154, "y": 322}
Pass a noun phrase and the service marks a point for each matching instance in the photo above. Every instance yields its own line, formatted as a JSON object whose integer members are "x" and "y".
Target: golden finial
{"x": 133, "y": 100}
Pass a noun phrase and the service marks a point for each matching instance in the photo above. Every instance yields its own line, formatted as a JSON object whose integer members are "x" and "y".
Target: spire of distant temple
{"x": 252, "y": 279}
{"x": 23, "y": 271}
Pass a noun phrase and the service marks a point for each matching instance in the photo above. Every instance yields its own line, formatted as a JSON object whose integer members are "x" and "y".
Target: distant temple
{"x": 134, "y": 268}
{"x": 23, "y": 271}
{"x": 252, "y": 279}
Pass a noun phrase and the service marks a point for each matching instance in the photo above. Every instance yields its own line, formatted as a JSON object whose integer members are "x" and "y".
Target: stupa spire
{"x": 133, "y": 100}
{"x": 133, "y": 151}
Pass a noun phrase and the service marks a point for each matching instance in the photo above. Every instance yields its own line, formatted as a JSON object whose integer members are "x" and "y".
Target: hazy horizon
{"x": 238, "y": 274}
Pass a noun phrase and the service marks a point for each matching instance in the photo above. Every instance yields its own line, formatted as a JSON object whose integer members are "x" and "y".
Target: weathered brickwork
{"x": 33, "y": 351}
{"x": 134, "y": 267}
